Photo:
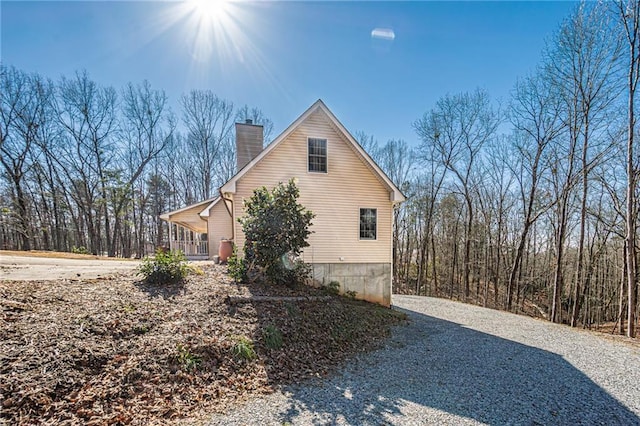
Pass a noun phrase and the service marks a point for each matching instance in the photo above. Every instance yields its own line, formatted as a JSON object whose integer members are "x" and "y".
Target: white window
{"x": 368, "y": 224}
{"x": 317, "y": 155}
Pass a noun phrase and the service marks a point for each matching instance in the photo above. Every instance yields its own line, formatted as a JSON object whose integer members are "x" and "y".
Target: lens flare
{"x": 221, "y": 39}
{"x": 209, "y": 10}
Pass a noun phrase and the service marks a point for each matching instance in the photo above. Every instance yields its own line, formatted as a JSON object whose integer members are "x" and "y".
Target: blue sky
{"x": 282, "y": 56}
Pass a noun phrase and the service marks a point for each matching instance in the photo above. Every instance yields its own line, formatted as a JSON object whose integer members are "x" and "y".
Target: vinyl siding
{"x": 335, "y": 197}
{"x": 219, "y": 224}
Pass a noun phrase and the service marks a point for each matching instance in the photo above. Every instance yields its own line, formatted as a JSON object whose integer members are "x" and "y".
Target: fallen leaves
{"x": 116, "y": 351}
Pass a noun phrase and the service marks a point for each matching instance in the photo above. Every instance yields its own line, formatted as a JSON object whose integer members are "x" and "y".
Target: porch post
{"x": 170, "y": 235}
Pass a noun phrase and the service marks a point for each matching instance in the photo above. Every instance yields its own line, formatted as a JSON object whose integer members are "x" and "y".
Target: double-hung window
{"x": 317, "y": 150}
{"x": 368, "y": 224}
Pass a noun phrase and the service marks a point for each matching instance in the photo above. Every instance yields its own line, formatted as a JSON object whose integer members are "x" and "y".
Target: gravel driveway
{"x": 460, "y": 364}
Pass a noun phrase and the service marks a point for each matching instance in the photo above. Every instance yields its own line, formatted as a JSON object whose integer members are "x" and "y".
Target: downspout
{"x": 391, "y": 270}
{"x": 233, "y": 225}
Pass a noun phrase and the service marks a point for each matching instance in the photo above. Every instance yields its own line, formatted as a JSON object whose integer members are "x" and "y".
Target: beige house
{"x": 351, "y": 197}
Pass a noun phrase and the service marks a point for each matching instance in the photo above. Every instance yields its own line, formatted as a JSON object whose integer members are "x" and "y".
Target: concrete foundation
{"x": 370, "y": 281}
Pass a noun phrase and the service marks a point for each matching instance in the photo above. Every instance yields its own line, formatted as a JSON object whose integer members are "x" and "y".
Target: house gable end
{"x": 395, "y": 194}
{"x": 335, "y": 197}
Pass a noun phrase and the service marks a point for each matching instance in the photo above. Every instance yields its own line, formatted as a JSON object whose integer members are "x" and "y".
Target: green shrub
{"x": 186, "y": 359}
{"x": 300, "y": 272}
{"x": 141, "y": 329}
{"x": 79, "y": 250}
{"x": 272, "y": 337}
{"x": 276, "y": 229}
{"x": 332, "y": 288}
{"x": 237, "y": 267}
{"x": 164, "y": 268}
{"x": 243, "y": 348}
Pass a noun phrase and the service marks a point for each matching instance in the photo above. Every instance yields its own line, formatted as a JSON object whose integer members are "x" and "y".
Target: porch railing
{"x": 191, "y": 248}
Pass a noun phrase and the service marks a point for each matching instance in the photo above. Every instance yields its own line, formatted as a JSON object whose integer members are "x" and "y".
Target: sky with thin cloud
{"x": 378, "y": 65}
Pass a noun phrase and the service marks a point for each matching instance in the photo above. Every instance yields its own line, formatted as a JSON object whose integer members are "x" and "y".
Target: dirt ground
{"x": 115, "y": 350}
{"x": 32, "y": 266}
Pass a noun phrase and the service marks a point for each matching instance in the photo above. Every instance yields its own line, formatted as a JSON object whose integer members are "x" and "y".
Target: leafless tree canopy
{"x": 86, "y": 166}
{"x": 533, "y": 208}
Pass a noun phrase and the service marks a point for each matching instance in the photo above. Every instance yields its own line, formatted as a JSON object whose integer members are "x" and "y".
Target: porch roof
{"x": 189, "y": 216}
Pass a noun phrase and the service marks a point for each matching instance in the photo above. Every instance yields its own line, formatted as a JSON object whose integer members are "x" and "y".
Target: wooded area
{"x": 89, "y": 168}
{"x": 531, "y": 202}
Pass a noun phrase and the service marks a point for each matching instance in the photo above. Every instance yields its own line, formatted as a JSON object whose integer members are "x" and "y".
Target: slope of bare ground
{"x": 115, "y": 351}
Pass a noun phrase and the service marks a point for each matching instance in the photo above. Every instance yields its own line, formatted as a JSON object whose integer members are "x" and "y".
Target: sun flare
{"x": 209, "y": 10}
{"x": 220, "y": 37}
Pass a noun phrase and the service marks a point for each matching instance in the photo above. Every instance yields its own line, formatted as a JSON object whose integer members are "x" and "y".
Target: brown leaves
{"x": 115, "y": 352}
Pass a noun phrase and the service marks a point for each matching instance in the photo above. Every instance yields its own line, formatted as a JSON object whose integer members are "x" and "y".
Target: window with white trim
{"x": 368, "y": 224}
{"x": 317, "y": 150}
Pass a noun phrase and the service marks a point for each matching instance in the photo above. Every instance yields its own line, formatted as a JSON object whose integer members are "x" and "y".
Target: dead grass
{"x": 115, "y": 351}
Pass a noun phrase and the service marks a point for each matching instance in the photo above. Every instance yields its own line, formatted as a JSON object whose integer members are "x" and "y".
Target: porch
{"x": 188, "y": 231}
{"x": 196, "y": 249}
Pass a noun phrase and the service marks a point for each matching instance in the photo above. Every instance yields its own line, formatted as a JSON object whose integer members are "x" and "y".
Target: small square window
{"x": 368, "y": 224}
{"x": 318, "y": 155}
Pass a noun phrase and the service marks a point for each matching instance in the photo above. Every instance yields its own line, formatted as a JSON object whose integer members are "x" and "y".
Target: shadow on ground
{"x": 434, "y": 369}
{"x": 165, "y": 291}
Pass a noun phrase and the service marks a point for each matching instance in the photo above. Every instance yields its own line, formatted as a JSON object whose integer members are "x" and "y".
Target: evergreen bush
{"x": 166, "y": 267}
{"x": 276, "y": 227}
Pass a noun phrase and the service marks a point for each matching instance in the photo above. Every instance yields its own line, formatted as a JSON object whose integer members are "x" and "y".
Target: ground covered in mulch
{"x": 116, "y": 351}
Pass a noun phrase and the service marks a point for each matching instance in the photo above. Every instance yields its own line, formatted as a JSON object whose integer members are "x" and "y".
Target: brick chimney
{"x": 249, "y": 139}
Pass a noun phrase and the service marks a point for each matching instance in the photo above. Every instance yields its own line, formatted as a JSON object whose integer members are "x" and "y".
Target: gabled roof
{"x": 191, "y": 217}
{"x": 396, "y": 195}
{"x": 167, "y": 216}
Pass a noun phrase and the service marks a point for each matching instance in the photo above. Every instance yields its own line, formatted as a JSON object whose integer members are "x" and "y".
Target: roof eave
{"x": 167, "y": 216}
{"x": 206, "y": 212}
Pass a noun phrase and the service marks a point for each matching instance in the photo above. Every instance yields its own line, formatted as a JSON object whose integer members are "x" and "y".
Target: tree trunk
{"x": 630, "y": 218}
{"x": 583, "y": 219}
{"x": 623, "y": 287}
{"x": 467, "y": 248}
{"x": 556, "y": 307}
{"x": 24, "y": 215}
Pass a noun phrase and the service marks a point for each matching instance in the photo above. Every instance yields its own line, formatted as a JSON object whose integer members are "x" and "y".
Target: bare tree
{"x": 23, "y": 100}
{"x": 497, "y": 199}
{"x": 147, "y": 129}
{"x": 628, "y": 14}
{"x": 462, "y": 124}
{"x": 209, "y": 123}
{"x": 368, "y": 142}
{"x": 433, "y": 177}
{"x": 87, "y": 113}
{"x": 535, "y": 115}
{"x": 583, "y": 63}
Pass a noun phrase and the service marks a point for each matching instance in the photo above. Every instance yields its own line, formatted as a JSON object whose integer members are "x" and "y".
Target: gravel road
{"x": 458, "y": 364}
